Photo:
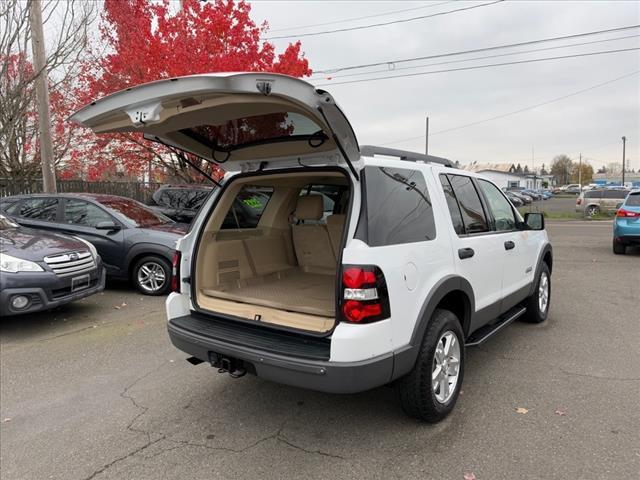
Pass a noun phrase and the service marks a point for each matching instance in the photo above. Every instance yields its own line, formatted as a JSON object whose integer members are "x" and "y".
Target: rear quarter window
{"x": 398, "y": 207}
{"x": 247, "y": 208}
{"x": 633, "y": 200}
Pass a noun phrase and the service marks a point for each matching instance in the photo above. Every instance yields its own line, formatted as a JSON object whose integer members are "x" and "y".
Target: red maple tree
{"x": 148, "y": 41}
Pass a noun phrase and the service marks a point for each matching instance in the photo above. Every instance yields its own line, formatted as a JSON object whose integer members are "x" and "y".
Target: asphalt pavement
{"x": 95, "y": 390}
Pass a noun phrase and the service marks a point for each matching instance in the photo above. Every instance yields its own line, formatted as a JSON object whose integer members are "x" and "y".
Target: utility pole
{"x": 426, "y": 142}
{"x": 580, "y": 172}
{"x": 42, "y": 96}
{"x": 624, "y": 145}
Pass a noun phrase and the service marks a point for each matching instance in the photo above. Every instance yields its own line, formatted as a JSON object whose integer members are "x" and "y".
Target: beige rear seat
{"x": 311, "y": 241}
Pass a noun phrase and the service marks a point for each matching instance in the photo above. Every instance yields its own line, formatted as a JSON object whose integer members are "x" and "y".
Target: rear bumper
{"x": 627, "y": 239}
{"x": 262, "y": 357}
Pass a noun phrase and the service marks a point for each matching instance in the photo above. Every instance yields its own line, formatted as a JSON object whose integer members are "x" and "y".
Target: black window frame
{"x": 483, "y": 202}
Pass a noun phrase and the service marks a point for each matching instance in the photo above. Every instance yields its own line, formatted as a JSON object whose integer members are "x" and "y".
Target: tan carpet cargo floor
{"x": 290, "y": 290}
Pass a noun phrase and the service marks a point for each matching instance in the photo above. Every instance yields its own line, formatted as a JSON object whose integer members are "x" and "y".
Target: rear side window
{"x": 247, "y": 208}
{"x": 45, "y": 209}
{"x": 452, "y": 203}
{"x": 593, "y": 194}
{"x": 398, "y": 207}
{"x": 633, "y": 200}
{"x": 471, "y": 209}
{"x": 615, "y": 194}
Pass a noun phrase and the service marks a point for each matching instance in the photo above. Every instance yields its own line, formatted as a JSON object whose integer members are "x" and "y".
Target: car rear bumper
{"x": 628, "y": 239}
{"x": 287, "y": 359}
{"x": 46, "y": 291}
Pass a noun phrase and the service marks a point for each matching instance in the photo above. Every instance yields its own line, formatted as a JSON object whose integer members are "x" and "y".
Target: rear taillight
{"x": 626, "y": 213}
{"x": 365, "y": 298}
{"x": 175, "y": 272}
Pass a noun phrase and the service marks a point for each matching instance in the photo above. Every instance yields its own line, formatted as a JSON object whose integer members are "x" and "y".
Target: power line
{"x": 477, "y": 50}
{"x": 422, "y": 17}
{"x": 352, "y": 19}
{"x": 476, "y": 67}
{"x": 487, "y": 56}
{"x": 514, "y": 112}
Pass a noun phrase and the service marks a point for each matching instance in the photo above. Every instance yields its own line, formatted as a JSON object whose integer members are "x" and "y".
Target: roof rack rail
{"x": 372, "y": 150}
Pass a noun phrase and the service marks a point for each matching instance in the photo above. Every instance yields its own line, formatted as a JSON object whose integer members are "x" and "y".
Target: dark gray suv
{"x": 134, "y": 241}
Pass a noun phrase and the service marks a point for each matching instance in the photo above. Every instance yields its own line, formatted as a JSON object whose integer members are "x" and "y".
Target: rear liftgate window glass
{"x": 247, "y": 208}
{"x": 398, "y": 207}
{"x": 470, "y": 205}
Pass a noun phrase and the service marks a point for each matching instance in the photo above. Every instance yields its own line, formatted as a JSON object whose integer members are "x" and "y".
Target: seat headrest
{"x": 309, "y": 207}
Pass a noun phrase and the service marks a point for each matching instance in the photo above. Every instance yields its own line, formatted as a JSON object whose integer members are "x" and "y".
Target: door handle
{"x": 465, "y": 253}
{"x": 509, "y": 245}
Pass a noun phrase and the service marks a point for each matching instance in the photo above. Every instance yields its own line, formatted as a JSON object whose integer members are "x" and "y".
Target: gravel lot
{"x": 95, "y": 390}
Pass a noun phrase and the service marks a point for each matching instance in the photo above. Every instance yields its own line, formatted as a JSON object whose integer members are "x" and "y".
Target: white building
{"x": 505, "y": 176}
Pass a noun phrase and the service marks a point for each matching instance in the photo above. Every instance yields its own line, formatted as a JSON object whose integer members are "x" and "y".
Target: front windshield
{"x": 136, "y": 212}
{"x": 6, "y": 224}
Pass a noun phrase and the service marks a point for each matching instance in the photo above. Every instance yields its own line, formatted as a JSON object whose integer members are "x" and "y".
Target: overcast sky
{"x": 385, "y": 111}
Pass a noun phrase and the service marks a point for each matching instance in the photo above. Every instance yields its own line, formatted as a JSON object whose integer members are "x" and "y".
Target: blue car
{"x": 626, "y": 227}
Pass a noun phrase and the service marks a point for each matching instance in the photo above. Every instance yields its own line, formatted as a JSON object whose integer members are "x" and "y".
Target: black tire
{"x": 534, "y": 314}
{"x": 417, "y": 395}
{"x": 148, "y": 289}
{"x": 619, "y": 248}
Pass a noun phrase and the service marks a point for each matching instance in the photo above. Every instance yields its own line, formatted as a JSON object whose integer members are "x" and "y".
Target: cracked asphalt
{"x": 91, "y": 391}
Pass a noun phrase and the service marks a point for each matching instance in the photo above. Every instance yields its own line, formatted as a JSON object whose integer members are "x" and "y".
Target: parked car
{"x": 593, "y": 202}
{"x": 515, "y": 199}
{"x": 526, "y": 199}
{"x": 134, "y": 241}
{"x": 626, "y": 227}
{"x": 42, "y": 270}
{"x": 417, "y": 261}
{"x": 180, "y": 202}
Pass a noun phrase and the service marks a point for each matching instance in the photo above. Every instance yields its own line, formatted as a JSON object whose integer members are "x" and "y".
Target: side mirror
{"x": 107, "y": 226}
{"x": 534, "y": 221}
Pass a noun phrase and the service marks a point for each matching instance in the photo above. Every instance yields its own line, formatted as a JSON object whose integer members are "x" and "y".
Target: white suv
{"x": 325, "y": 265}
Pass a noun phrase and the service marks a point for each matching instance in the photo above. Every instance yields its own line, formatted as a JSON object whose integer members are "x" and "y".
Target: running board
{"x": 480, "y": 335}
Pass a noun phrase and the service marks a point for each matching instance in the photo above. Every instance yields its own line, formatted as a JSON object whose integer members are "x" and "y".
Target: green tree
{"x": 561, "y": 169}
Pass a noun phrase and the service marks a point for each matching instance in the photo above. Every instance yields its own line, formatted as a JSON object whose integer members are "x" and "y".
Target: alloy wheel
{"x": 446, "y": 367}
{"x": 543, "y": 292}
{"x": 151, "y": 276}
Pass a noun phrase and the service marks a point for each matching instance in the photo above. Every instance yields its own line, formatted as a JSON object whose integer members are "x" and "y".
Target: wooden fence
{"x": 141, "y": 191}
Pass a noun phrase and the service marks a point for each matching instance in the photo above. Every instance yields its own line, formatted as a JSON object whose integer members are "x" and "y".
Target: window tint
{"x": 633, "y": 200}
{"x": 38, "y": 209}
{"x": 593, "y": 194}
{"x": 79, "y": 212}
{"x": 615, "y": 194}
{"x": 452, "y": 203}
{"x": 470, "y": 205}
{"x": 247, "y": 208}
{"x": 398, "y": 207}
{"x": 500, "y": 207}
{"x": 181, "y": 198}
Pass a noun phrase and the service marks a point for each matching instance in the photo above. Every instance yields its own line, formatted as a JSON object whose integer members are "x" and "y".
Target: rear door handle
{"x": 465, "y": 253}
{"x": 509, "y": 245}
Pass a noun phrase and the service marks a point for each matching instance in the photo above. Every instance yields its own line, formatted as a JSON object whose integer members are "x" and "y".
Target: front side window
{"x": 247, "y": 208}
{"x": 81, "y": 213}
{"x": 45, "y": 209}
{"x": 398, "y": 207}
{"x": 471, "y": 209}
{"x": 500, "y": 207}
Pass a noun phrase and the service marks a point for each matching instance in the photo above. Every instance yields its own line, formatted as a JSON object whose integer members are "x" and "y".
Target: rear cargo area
{"x": 269, "y": 252}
